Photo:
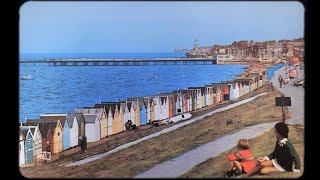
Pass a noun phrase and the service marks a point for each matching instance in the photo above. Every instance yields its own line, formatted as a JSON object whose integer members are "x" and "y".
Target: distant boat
{"x": 27, "y": 77}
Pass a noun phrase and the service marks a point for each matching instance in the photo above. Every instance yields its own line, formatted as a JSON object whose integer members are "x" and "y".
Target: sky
{"x": 91, "y": 27}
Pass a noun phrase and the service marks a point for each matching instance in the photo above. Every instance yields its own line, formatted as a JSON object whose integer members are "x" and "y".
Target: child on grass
{"x": 242, "y": 161}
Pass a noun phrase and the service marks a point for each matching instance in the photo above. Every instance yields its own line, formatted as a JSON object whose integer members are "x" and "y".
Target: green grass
{"x": 260, "y": 146}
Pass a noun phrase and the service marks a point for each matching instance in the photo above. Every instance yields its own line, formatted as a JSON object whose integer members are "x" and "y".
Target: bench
{"x": 44, "y": 156}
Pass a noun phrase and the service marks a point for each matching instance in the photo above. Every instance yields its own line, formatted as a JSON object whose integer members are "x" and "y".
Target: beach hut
{"x": 143, "y": 112}
{"x": 136, "y": 107}
{"x": 234, "y": 90}
{"x": 66, "y": 135}
{"x": 36, "y": 135}
{"x": 182, "y": 103}
{"x": 240, "y": 85}
{"x": 22, "y": 158}
{"x": 117, "y": 118}
{"x": 161, "y": 106}
{"x": 216, "y": 93}
{"x": 174, "y": 99}
{"x": 193, "y": 100}
{"x": 37, "y": 140}
{"x": 92, "y": 127}
{"x": 109, "y": 116}
{"x": 102, "y": 117}
{"x": 28, "y": 145}
{"x": 131, "y": 108}
{"x": 225, "y": 92}
{"x": 150, "y": 108}
{"x": 56, "y": 122}
{"x": 209, "y": 95}
{"x": 74, "y": 130}
{"x": 198, "y": 96}
{"x": 81, "y": 125}
{"x": 72, "y": 123}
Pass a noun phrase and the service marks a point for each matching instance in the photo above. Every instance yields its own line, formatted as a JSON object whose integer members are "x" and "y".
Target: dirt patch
{"x": 141, "y": 157}
{"x": 260, "y": 146}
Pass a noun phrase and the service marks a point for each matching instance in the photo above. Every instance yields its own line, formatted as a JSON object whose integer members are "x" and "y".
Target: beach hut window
{"x": 58, "y": 133}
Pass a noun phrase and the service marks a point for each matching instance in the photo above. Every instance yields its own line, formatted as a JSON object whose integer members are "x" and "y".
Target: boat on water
{"x": 27, "y": 77}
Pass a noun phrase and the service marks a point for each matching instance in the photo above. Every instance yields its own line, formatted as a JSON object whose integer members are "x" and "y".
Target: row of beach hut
{"x": 103, "y": 119}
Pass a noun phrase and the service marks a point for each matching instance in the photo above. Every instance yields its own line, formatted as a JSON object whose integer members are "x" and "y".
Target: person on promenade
{"x": 280, "y": 79}
{"x": 282, "y": 158}
{"x": 241, "y": 161}
{"x": 48, "y": 150}
{"x": 84, "y": 144}
{"x": 127, "y": 125}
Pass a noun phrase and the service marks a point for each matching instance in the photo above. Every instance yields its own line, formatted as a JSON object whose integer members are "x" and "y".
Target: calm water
{"x": 60, "y": 89}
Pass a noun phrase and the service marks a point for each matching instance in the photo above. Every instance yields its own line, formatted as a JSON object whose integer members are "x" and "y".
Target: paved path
{"x": 177, "y": 166}
{"x": 172, "y": 128}
{"x": 297, "y": 96}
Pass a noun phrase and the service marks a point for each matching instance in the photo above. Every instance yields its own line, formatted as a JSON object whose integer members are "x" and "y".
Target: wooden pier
{"x": 124, "y": 62}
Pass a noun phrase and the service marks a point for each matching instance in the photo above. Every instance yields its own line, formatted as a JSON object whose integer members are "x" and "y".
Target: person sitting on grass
{"x": 241, "y": 161}
{"x": 283, "y": 156}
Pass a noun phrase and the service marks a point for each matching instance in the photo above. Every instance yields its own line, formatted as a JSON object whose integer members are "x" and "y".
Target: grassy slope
{"x": 260, "y": 146}
{"x": 141, "y": 157}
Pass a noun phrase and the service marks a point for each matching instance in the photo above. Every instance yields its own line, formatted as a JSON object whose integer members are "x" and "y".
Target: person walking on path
{"x": 280, "y": 79}
{"x": 48, "y": 151}
{"x": 84, "y": 144}
{"x": 282, "y": 158}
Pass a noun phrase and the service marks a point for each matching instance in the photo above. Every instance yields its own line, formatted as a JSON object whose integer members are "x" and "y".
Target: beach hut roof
{"x": 90, "y": 118}
{"x": 24, "y": 132}
{"x": 54, "y": 117}
{"x": 129, "y": 104}
{"x": 70, "y": 119}
{"x": 80, "y": 117}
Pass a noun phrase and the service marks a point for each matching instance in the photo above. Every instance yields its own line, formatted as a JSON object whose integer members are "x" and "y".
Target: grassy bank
{"x": 261, "y": 146}
{"x": 141, "y": 157}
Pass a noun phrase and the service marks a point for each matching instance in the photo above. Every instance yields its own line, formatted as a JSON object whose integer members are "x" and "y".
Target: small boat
{"x": 27, "y": 77}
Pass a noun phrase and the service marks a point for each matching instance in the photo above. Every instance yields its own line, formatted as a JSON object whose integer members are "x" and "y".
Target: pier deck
{"x": 123, "y": 62}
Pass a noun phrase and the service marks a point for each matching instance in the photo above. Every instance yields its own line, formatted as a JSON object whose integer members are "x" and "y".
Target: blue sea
{"x": 61, "y": 89}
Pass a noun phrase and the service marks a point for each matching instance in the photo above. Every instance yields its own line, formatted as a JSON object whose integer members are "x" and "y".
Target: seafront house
{"x": 92, "y": 127}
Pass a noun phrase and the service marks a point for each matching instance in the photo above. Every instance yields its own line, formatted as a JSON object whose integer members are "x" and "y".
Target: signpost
{"x": 283, "y": 101}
